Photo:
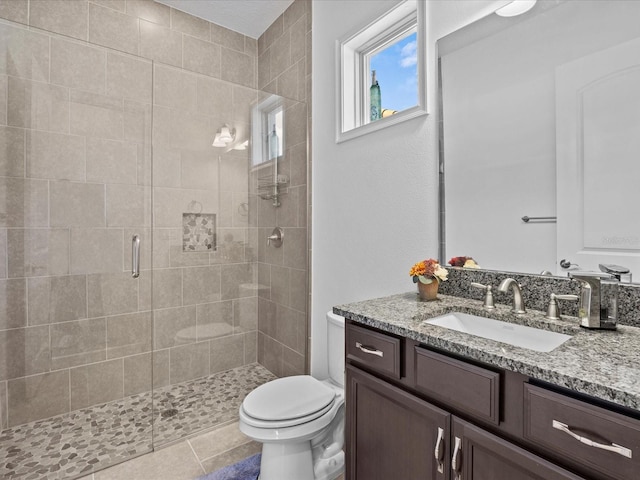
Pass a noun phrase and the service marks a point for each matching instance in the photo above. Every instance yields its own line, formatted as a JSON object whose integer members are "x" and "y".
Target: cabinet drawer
{"x": 472, "y": 389}
{"x": 377, "y": 351}
{"x": 605, "y": 441}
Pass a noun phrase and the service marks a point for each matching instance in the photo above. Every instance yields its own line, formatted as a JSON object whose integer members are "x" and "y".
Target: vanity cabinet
{"x": 417, "y": 413}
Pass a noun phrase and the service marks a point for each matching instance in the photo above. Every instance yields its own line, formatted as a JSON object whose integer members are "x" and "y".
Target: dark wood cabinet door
{"x": 484, "y": 456}
{"x": 391, "y": 434}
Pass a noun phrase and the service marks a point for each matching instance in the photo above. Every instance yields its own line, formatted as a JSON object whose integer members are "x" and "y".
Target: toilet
{"x": 300, "y": 420}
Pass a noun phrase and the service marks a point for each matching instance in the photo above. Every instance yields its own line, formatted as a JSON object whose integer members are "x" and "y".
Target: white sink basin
{"x": 516, "y": 335}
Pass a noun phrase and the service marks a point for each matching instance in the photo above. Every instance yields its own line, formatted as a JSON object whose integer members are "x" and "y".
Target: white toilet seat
{"x": 287, "y": 402}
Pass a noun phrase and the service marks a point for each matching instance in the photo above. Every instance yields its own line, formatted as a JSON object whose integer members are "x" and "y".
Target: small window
{"x": 393, "y": 48}
{"x": 268, "y": 130}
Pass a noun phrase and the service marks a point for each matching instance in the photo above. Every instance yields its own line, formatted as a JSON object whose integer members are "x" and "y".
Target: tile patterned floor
{"x": 76, "y": 444}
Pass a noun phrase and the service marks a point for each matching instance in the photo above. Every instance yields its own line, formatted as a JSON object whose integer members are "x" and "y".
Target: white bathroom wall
{"x": 375, "y": 198}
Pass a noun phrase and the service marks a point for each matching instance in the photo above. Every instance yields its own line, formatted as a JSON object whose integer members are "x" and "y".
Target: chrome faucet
{"x": 518, "y": 303}
{"x": 598, "y": 306}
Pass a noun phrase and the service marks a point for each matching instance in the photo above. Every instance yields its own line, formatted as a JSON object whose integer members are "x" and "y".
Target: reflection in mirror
{"x": 541, "y": 119}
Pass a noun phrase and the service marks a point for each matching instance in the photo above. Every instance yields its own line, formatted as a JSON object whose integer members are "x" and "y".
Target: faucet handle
{"x": 488, "y": 299}
{"x": 553, "y": 311}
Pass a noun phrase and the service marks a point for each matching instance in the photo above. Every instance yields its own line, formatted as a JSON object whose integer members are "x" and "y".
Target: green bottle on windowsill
{"x": 374, "y": 95}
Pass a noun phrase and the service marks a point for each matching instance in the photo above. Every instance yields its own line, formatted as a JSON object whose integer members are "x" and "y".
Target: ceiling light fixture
{"x": 517, "y": 7}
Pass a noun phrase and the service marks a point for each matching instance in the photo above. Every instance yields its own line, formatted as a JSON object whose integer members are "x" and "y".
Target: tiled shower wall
{"x": 75, "y": 184}
{"x": 284, "y": 68}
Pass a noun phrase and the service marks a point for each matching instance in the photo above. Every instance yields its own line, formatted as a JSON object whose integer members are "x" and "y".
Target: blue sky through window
{"x": 397, "y": 73}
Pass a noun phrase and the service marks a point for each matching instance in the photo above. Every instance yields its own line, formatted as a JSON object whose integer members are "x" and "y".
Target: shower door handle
{"x": 135, "y": 256}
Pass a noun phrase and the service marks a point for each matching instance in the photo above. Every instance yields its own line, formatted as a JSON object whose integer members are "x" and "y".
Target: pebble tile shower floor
{"x": 75, "y": 444}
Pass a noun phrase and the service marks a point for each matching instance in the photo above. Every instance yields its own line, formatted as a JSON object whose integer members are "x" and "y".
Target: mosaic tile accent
{"x": 198, "y": 232}
{"x": 84, "y": 441}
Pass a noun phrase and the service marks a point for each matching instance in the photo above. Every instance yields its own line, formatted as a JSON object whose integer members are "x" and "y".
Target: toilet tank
{"x": 335, "y": 347}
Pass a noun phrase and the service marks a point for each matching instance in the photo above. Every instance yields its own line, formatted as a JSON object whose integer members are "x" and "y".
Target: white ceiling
{"x": 249, "y": 17}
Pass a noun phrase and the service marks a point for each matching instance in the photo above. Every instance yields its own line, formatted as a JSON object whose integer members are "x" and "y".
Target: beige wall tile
{"x": 215, "y": 98}
{"x": 111, "y": 294}
{"x": 271, "y": 34}
{"x": 26, "y": 54}
{"x": 299, "y": 290}
{"x": 214, "y": 320}
{"x": 296, "y": 124}
{"x": 150, "y": 10}
{"x": 235, "y": 276}
{"x": 238, "y": 68}
{"x": 128, "y": 205}
{"x": 77, "y": 66}
{"x": 164, "y": 239}
{"x": 189, "y": 362}
{"x": 119, "y": 5}
{"x": 280, "y": 55}
{"x": 251, "y": 46}
{"x": 293, "y": 363}
{"x": 37, "y": 105}
{"x": 96, "y": 250}
{"x": 298, "y": 38}
{"x": 77, "y": 204}
{"x": 270, "y": 354}
{"x": 181, "y": 129}
{"x": 25, "y": 352}
{"x": 288, "y": 83}
{"x": 280, "y": 285}
{"x": 201, "y": 56}
{"x": 167, "y": 287}
{"x": 111, "y": 161}
{"x": 185, "y": 23}
{"x": 171, "y": 203}
{"x": 160, "y": 369}
{"x": 57, "y": 299}
{"x": 175, "y": 88}
{"x": 78, "y": 343}
{"x": 294, "y": 12}
{"x": 129, "y": 335}
{"x": 55, "y": 156}
{"x": 96, "y": 115}
{"x": 15, "y": 10}
{"x": 12, "y": 156}
{"x": 295, "y": 251}
{"x": 4, "y": 95}
{"x": 137, "y": 124}
{"x": 199, "y": 170}
{"x": 23, "y": 202}
{"x": 98, "y": 383}
{"x": 4, "y": 421}
{"x": 227, "y": 353}
{"x": 113, "y": 29}
{"x": 137, "y": 375}
{"x": 244, "y": 99}
{"x": 264, "y": 69}
{"x": 160, "y": 44}
{"x": 37, "y": 252}
{"x": 60, "y": 16}
{"x": 201, "y": 285}
{"x": 129, "y": 77}
{"x": 227, "y": 38}
{"x": 251, "y": 347}
{"x": 298, "y": 164}
{"x": 166, "y": 167}
{"x": 36, "y": 397}
{"x": 287, "y": 323}
{"x": 13, "y": 303}
{"x": 267, "y": 312}
{"x": 245, "y": 312}
{"x": 3, "y": 253}
{"x": 174, "y": 326}
{"x": 179, "y": 258}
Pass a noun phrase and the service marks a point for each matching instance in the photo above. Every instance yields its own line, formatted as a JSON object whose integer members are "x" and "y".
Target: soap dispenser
{"x": 598, "y": 307}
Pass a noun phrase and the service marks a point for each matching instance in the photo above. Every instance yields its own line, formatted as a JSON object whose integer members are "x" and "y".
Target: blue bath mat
{"x": 247, "y": 469}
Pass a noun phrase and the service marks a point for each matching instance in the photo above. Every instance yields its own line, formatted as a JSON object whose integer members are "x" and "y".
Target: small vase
{"x": 428, "y": 291}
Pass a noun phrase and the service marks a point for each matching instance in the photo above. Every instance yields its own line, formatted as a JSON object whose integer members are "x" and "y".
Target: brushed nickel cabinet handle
{"x": 456, "y": 463}
{"x": 369, "y": 350}
{"x": 438, "y": 451}
{"x": 620, "y": 450}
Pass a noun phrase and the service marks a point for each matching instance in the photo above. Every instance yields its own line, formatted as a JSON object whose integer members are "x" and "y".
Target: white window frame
{"x": 261, "y": 122}
{"x": 353, "y": 55}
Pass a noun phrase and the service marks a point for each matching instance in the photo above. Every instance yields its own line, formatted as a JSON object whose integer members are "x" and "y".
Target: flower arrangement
{"x": 427, "y": 271}
{"x": 464, "y": 262}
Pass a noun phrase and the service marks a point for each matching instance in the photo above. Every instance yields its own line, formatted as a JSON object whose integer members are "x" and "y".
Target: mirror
{"x": 540, "y": 138}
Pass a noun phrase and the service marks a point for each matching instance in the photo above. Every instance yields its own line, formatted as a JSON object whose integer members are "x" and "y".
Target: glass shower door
{"x": 75, "y": 188}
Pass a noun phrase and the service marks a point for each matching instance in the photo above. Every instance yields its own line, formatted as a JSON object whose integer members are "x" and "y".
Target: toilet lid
{"x": 288, "y": 398}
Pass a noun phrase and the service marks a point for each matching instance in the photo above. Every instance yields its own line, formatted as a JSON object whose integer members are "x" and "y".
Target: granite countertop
{"x": 601, "y": 363}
